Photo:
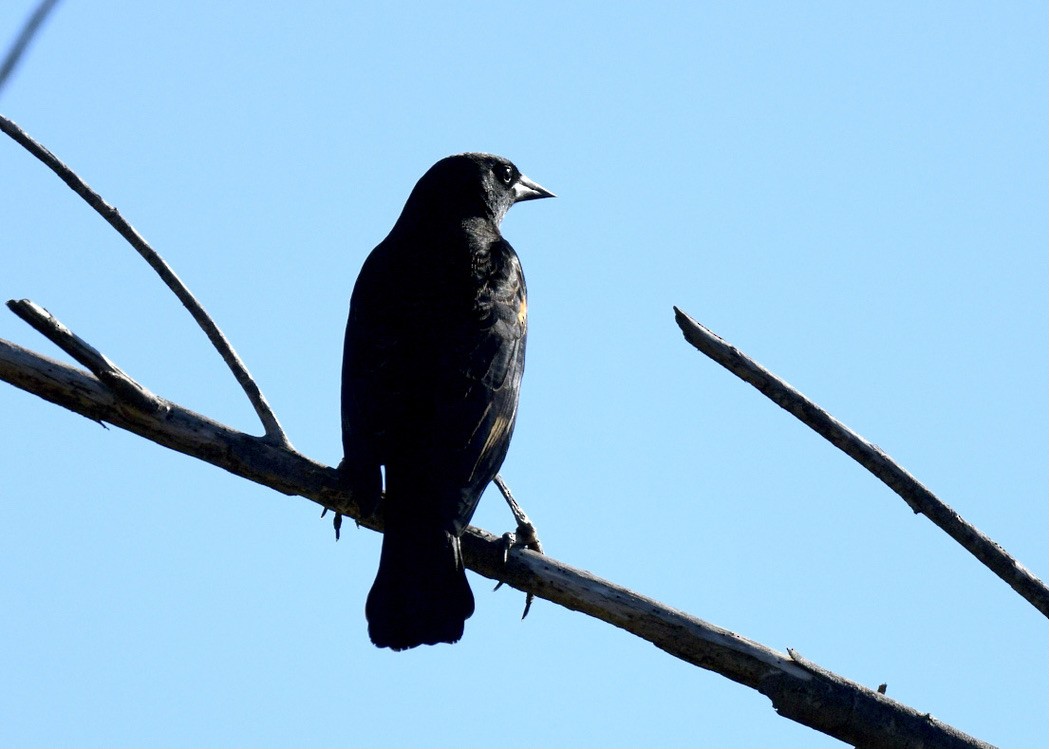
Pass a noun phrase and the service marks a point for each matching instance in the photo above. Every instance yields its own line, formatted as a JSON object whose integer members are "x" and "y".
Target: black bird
{"x": 432, "y": 365}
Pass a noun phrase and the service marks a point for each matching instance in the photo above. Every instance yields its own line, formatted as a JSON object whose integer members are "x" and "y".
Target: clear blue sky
{"x": 854, "y": 196}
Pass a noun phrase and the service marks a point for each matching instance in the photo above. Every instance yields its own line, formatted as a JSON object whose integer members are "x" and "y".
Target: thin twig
{"x": 25, "y": 36}
{"x": 871, "y": 457}
{"x": 274, "y": 431}
{"x": 799, "y": 690}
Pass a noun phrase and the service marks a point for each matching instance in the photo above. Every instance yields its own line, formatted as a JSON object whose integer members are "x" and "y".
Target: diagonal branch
{"x": 25, "y": 36}
{"x": 799, "y": 690}
{"x": 100, "y": 366}
{"x": 274, "y": 431}
{"x": 871, "y": 457}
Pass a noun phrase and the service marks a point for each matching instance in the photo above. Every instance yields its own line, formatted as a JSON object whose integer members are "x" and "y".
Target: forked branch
{"x": 274, "y": 431}
{"x": 99, "y": 365}
{"x": 799, "y": 690}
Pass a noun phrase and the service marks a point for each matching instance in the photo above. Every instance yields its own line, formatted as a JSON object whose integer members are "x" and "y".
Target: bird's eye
{"x": 505, "y": 173}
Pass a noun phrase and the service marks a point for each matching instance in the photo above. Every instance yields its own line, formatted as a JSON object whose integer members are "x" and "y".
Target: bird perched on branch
{"x": 432, "y": 365}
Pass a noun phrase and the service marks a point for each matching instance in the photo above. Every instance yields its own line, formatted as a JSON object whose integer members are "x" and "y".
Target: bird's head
{"x": 471, "y": 185}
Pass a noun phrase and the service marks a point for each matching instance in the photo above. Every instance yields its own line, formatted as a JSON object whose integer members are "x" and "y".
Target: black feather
{"x": 432, "y": 366}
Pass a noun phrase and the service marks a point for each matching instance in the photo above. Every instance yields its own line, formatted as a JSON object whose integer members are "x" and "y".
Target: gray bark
{"x": 871, "y": 457}
{"x": 798, "y": 689}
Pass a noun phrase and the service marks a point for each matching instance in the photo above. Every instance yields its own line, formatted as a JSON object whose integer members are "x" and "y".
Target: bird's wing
{"x": 497, "y": 365}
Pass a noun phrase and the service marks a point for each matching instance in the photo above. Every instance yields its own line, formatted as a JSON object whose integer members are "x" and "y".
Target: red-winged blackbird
{"x": 432, "y": 365}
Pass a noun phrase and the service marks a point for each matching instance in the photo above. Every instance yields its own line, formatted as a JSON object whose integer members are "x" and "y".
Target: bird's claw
{"x": 525, "y": 538}
{"x": 337, "y": 522}
{"x": 509, "y": 540}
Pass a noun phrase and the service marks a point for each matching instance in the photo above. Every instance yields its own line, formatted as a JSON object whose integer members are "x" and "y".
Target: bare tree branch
{"x": 100, "y": 366}
{"x": 798, "y": 689}
{"x": 274, "y": 431}
{"x": 25, "y": 36}
{"x": 871, "y": 457}
{"x": 178, "y": 428}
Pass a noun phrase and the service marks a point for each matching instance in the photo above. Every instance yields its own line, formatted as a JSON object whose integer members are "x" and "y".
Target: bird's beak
{"x": 526, "y": 189}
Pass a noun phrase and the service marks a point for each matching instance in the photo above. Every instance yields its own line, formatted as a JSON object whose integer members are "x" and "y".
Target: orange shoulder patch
{"x": 522, "y": 311}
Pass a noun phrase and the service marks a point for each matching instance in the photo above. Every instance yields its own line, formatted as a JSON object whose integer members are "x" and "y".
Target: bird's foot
{"x": 525, "y": 537}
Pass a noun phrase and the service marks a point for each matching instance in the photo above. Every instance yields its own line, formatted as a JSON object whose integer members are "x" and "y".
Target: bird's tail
{"x": 420, "y": 595}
